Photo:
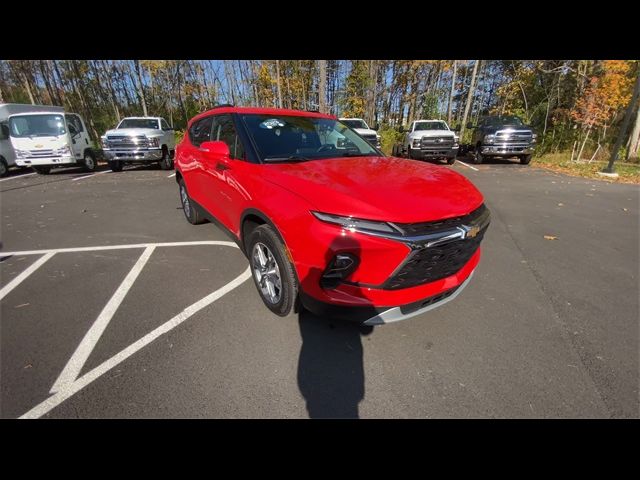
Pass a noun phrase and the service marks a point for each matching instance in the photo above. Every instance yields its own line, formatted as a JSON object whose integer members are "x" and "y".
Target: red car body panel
{"x": 373, "y": 188}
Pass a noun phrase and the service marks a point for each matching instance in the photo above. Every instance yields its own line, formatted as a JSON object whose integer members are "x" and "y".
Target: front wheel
{"x": 90, "y": 163}
{"x": 166, "y": 162}
{"x": 3, "y": 167}
{"x": 477, "y": 156}
{"x": 525, "y": 159}
{"x": 451, "y": 161}
{"x": 272, "y": 272}
{"x": 115, "y": 165}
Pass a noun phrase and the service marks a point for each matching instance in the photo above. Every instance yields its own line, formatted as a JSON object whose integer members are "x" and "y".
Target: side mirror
{"x": 215, "y": 150}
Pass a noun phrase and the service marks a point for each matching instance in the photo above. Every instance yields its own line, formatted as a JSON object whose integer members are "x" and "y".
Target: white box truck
{"x": 44, "y": 136}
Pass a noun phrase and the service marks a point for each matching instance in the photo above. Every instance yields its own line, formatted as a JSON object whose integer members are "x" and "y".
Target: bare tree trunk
{"x": 278, "y": 83}
{"x": 634, "y": 140}
{"x": 322, "y": 86}
{"x": 624, "y": 126}
{"x": 583, "y": 143}
{"x": 469, "y": 99}
{"x": 453, "y": 87}
{"x": 136, "y": 64}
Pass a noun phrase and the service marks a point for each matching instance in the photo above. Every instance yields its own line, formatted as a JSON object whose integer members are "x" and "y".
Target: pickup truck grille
{"x": 122, "y": 142}
{"x": 513, "y": 136}
{"x": 436, "y": 142}
{"x": 372, "y": 139}
{"x": 426, "y": 265}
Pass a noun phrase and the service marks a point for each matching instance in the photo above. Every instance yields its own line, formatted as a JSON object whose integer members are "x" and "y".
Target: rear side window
{"x": 200, "y": 131}
{"x": 4, "y": 131}
{"x": 225, "y": 131}
{"x": 164, "y": 124}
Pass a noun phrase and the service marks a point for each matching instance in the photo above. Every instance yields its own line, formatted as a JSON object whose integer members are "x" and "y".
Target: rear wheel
{"x": 166, "y": 162}
{"x": 115, "y": 165}
{"x": 190, "y": 211}
{"x": 273, "y": 273}
{"x": 42, "y": 170}
{"x": 525, "y": 159}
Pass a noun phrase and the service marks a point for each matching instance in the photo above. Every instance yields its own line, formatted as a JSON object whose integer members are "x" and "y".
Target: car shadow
{"x": 331, "y": 374}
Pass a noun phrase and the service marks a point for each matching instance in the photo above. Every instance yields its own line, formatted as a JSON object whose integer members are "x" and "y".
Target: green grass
{"x": 561, "y": 162}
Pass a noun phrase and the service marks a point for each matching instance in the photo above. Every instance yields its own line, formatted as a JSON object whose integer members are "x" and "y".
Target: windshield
{"x": 37, "y": 125}
{"x": 355, "y": 123}
{"x": 139, "y": 123}
{"x": 504, "y": 120}
{"x": 430, "y": 126}
{"x": 288, "y": 137}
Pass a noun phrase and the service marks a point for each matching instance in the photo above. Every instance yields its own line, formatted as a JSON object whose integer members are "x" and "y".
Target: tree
{"x": 624, "y": 127}
{"x": 469, "y": 99}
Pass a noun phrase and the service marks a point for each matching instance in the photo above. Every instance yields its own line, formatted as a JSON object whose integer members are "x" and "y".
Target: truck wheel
{"x": 394, "y": 150}
{"x": 409, "y": 154}
{"x": 115, "y": 165}
{"x": 272, "y": 272}
{"x": 451, "y": 161}
{"x": 190, "y": 212}
{"x": 3, "y": 168}
{"x": 477, "y": 156}
{"x": 525, "y": 159}
{"x": 90, "y": 163}
{"x": 42, "y": 170}
{"x": 166, "y": 163}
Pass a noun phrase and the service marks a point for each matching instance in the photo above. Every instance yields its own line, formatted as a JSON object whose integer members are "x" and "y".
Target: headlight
{"x": 103, "y": 140}
{"x": 416, "y": 142}
{"x": 354, "y": 224}
{"x": 534, "y": 138}
{"x": 456, "y": 139}
{"x": 63, "y": 151}
{"x": 489, "y": 138}
{"x": 21, "y": 153}
{"x": 153, "y": 141}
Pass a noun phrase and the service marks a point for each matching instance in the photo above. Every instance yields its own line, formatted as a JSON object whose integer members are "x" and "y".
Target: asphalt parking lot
{"x": 143, "y": 315}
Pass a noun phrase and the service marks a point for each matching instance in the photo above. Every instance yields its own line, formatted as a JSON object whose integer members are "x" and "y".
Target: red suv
{"x": 326, "y": 220}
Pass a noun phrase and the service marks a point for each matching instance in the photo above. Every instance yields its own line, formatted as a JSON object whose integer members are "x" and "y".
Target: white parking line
{"x": 466, "y": 165}
{"x": 91, "y": 175}
{"x": 78, "y": 359}
{"x": 69, "y": 390}
{"x": 18, "y": 176}
{"x": 172, "y": 175}
{"x": 18, "y": 280}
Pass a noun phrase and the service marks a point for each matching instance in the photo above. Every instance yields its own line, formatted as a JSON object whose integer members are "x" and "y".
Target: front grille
{"x": 40, "y": 153}
{"x": 514, "y": 136}
{"x": 121, "y": 142}
{"x": 436, "y": 142}
{"x": 372, "y": 139}
{"x": 415, "y": 229}
{"x": 434, "y": 263}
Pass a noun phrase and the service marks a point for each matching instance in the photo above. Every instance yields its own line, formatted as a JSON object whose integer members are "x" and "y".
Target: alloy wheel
{"x": 266, "y": 273}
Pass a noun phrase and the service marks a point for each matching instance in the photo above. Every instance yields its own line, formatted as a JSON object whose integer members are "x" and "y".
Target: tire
{"x": 4, "y": 169}
{"x": 191, "y": 213}
{"x": 166, "y": 163}
{"x": 451, "y": 161}
{"x": 43, "y": 170}
{"x": 274, "y": 279}
{"x": 90, "y": 162}
{"x": 477, "y": 156}
{"x": 115, "y": 165}
{"x": 394, "y": 150}
{"x": 409, "y": 155}
{"x": 525, "y": 159}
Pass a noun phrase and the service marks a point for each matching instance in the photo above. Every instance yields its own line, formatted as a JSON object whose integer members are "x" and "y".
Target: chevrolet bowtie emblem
{"x": 39, "y": 146}
{"x": 473, "y": 231}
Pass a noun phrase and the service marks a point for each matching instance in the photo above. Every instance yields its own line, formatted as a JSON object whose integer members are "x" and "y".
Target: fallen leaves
{"x": 550, "y": 237}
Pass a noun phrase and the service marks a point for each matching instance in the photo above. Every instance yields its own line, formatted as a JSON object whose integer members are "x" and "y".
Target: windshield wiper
{"x": 359, "y": 154}
{"x": 292, "y": 158}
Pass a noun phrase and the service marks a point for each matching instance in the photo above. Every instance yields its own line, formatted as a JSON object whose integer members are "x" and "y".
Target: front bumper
{"x": 140, "y": 155}
{"x": 434, "y": 153}
{"x": 507, "y": 149}
{"x": 45, "y": 161}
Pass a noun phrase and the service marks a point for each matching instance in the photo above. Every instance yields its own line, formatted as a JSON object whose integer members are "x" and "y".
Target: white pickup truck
{"x": 429, "y": 139}
{"x": 140, "y": 140}
{"x": 362, "y": 129}
{"x": 44, "y": 136}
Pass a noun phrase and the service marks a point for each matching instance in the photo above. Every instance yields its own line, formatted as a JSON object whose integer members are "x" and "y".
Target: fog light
{"x": 339, "y": 268}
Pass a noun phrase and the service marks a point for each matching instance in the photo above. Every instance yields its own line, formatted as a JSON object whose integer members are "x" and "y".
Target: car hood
{"x": 134, "y": 132}
{"x": 378, "y": 188}
{"x": 432, "y": 133}
{"x": 365, "y": 131}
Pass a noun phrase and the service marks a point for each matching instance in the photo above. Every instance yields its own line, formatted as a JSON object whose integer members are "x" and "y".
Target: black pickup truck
{"x": 501, "y": 136}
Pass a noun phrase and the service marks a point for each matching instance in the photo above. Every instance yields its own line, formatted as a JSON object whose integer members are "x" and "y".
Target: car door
{"x": 192, "y": 161}
{"x": 78, "y": 134}
{"x": 227, "y": 196}
{"x": 168, "y": 134}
